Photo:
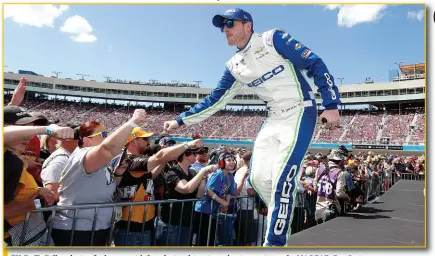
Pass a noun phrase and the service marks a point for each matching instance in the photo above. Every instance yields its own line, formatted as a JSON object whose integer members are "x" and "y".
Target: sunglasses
{"x": 190, "y": 153}
{"x": 229, "y": 24}
{"x": 102, "y": 134}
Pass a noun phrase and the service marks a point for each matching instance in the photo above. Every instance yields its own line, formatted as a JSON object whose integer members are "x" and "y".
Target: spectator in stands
{"x": 201, "y": 159}
{"x": 135, "y": 184}
{"x": 399, "y": 166}
{"x": 387, "y": 168}
{"x": 419, "y": 167}
{"x": 354, "y": 192}
{"x": 174, "y": 226}
{"x": 409, "y": 168}
{"x": 21, "y": 192}
{"x": 48, "y": 146}
{"x": 330, "y": 186}
{"x": 56, "y": 162}
{"x": 307, "y": 178}
{"x": 219, "y": 188}
{"x": 299, "y": 219}
{"x": 14, "y": 115}
{"x": 244, "y": 224}
{"x": 87, "y": 179}
{"x": 32, "y": 154}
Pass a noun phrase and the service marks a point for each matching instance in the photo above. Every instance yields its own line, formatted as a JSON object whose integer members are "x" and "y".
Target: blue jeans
{"x": 174, "y": 235}
{"x": 225, "y": 230}
{"x": 133, "y": 238}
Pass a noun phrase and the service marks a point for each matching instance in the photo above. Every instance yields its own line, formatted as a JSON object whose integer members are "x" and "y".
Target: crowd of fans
{"x": 357, "y": 126}
{"x": 146, "y": 189}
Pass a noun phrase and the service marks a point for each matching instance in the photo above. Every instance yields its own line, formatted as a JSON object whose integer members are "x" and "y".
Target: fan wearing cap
{"x": 15, "y": 115}
{"x": 88, "y": 179}
{"x": 280, "y": 71}
{"x": 181, "y": 183}
{"x": 329, "y": 184}
{"x": 21, "y": 193}
{"x": 201, "y": 159}
{"x": 17, "y": 134}
{"x": 167, "y": 142}
{"x": 135, "y": 184}
{"x": 56, "y": 162}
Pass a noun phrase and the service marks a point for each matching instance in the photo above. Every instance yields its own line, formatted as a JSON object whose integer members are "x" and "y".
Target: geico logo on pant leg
{"x": 266, "y": 76}
{"x": 284, "y": 202}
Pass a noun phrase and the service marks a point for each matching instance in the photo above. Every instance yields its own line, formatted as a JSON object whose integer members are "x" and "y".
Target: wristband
{"x": 48, "y": 131}
{"x": 132, "y": 124}
{"x": 37, "y": 203}
{"x": 186, "y": 147}
{"x": 213, "y": 197}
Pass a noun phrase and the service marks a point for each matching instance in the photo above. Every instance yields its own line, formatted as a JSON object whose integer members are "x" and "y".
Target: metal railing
{"x": 245, "y": 225}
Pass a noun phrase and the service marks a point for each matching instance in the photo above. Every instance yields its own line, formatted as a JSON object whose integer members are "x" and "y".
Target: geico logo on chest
{"x": 284, "y": 201}
{"x": 266, "y": 76}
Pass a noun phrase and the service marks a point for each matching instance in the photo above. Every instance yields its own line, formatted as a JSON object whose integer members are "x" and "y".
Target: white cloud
{"x": 84, "y": 38}
{"x": 350, "y": 15}
{"x": 110, "y": 48}
{"x": 417, "y": 15}
{"x": 37, "y": 15}
{"x": 80, "y": 29}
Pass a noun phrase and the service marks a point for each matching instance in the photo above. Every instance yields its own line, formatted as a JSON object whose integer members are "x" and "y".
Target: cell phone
{"x": 124, "y": 153}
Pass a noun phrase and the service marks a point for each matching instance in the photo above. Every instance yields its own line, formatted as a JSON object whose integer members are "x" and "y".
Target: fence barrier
{"x": 244, "y": 226}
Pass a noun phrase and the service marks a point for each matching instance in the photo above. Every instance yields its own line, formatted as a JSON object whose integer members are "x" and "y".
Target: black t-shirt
{"x": 159, "y": 182}
{"x": 13, "y": 167}
{"x": 173, "y": 176}
{"x": 400, "y": 167}
{"x": 409, "y": 166}
{"x": 128, "y": 190}
{"x": 44, "y": 154}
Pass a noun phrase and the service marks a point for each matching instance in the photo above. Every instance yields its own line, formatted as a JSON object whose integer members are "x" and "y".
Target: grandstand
{"x": 395, "y": 114}
{"x": 411, "y": 72}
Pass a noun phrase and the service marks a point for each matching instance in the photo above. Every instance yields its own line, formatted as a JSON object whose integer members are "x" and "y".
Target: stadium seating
{"x": 364, "y": 128}
{"x": 357, "y": 126}
{"x": 397, "y": 126}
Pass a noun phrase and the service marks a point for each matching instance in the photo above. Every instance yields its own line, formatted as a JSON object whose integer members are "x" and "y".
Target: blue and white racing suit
{"x": 282, "y": 72}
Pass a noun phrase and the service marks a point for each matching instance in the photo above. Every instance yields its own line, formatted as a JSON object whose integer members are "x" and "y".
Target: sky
{"x": 178, "y": 42}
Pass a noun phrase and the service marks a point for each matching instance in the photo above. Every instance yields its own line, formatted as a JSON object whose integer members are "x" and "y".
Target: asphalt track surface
{"x": 395, "y": 219}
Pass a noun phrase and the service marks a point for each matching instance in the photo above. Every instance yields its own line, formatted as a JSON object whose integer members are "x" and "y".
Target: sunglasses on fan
{"x": 103, "y": 134}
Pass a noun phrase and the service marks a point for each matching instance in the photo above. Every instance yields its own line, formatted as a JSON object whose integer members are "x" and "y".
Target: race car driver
{"x": 281, "y": 71}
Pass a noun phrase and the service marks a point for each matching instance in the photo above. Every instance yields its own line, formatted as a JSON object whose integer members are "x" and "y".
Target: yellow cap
{"x": 139, "y": 133}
